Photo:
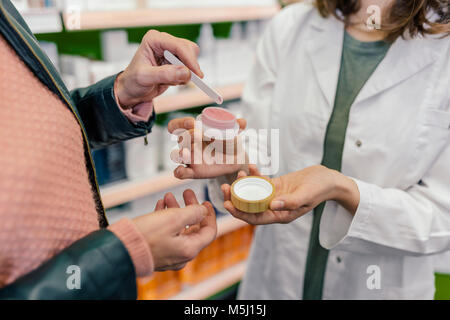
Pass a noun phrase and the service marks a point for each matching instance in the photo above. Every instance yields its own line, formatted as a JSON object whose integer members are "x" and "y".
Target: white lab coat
{"x": 396, "y": 149}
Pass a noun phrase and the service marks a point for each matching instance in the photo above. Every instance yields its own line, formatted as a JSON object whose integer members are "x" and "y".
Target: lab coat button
{"x": 358, "y": 143}
{"x": 338, "y": 259}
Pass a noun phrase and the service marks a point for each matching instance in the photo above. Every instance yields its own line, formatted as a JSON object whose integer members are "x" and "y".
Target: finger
{"x": 184, "y": 173}
{"x": 207, "y": 232}
{"x": 189, "y": 197}
{"x": 242, "y": 123}
{"x": 186, "y": 138}
{"x": 210, "y": 219}
{"x": 242, "y": 174}
{"x": 190, "y": 215}
{"x": 228, "y": 205}
{"x": 191, "y": 229}
{"x": 181, "y": 156}
{"x": 175, "y": 267}
{"x": 176, "y": 156}
{"x": 185, "y": 155}
{"x": 186, "y": 123}
{"x": 291, "y": 201}
{"x": 166, "y": 75}
{"x": 253, "y": 170}
{"x": 178, "y": 266}
{"x": 226, "y": 189}
{"x": 160, "y": 205}
{"x": 185, "y": 50}
{"x": 170, "y": 201}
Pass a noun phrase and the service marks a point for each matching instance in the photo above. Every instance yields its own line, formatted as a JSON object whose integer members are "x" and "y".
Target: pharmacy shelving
{"x": 194, "y": 97}
{"x": 213, "y": 285}
{"x": 91, "y": 20}
{"x": 43, "y": 20}
{"x": 123, "y": 192}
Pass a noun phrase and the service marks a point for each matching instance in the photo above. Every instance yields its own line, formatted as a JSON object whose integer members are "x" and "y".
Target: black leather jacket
{"x": 107, "y": 271}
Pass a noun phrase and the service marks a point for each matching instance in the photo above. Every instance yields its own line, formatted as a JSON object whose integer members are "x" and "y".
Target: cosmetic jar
{"x": 218, "y": 123}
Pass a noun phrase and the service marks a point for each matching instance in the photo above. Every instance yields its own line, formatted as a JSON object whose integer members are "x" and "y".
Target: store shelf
{"x": 213, "y": 285}
{"x": 123, "y": 192}
{"x": 43, "y": 20}
{"x": 160, "y": 17}
{"x": 194, "y": 97}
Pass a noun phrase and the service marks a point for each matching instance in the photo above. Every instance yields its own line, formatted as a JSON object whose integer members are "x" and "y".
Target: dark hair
{"x": 405, "y": 16}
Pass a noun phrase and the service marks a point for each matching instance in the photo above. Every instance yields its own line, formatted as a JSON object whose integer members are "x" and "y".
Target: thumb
{"x": 168, "y": 75}
{"x": 188, "y": 216}
{"x": 290, "y": 201}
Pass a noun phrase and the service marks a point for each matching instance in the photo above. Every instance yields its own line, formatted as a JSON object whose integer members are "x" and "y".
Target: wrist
{"x": 345, "y": 192}
{"x": 122, "y": 98}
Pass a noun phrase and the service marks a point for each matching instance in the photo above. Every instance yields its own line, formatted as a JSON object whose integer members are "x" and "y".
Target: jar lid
{"x": 252, "y": 194}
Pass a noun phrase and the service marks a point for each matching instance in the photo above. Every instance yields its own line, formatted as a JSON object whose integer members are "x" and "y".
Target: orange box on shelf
{"x": 147, "y": 289}
{"x": 187, "y": 274}
{"x": 205, "y": 265}
{"x": 161, "y": 286}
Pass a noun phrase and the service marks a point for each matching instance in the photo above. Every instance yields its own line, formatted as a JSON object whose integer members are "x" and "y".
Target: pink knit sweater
{"x": 46, "y": 200}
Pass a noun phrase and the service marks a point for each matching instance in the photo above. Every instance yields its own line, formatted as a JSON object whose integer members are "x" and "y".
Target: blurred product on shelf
{"x": 99, "y": 5}
{"x": 234, "y": 56}
{"x": 23, "y": 5}
{"x": 43, "y": 16}
{"x": 224, "y": 61}
{"x": 168, "y": 4}
{"x": 228, "y": 60}
{"x": 104, "y": 5}
{"x": 208, "y": 53}
{"x": 142, "y": 160}
{"x": 226, "y": 251}
{"x": 115, "y": 5}
{"x": 110, "y": 164}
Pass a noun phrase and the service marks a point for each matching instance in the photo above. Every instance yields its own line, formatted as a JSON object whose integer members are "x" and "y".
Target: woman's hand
{"x": 298, "y": 193}
{"x": 176, "y": 235}
{"x": 148, "y": 75}
{"x": 192, "y": 143}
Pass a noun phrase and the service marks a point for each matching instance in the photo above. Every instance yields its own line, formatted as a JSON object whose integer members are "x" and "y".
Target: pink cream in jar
{"x": 218, "y": 123}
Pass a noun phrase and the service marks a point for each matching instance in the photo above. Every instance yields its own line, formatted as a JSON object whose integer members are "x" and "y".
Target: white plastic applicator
{"x": 213, "y": 94}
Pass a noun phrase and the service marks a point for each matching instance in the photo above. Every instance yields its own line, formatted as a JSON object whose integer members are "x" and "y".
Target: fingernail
{"x": 276, "y": 205}
{"x": 188, "y": 124}
{"x": 182, "y": 73}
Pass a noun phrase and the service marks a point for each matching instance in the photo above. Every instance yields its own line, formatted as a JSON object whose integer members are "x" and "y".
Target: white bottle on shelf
{"x": 114, "y": 45}
{"x": 142, "y": 160}
{"x": 232, "y": 57}
{"x": 208, "y": 54}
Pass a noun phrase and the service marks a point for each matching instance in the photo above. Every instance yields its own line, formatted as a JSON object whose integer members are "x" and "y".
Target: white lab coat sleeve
{"x": 257, "y": 96}
{"x": 413, "y": 222}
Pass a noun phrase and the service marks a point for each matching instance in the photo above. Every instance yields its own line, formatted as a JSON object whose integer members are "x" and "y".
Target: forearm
{"x": 102, "y": 117}
{"x": 100, "y": 256}
{"x": 409, "y": 222}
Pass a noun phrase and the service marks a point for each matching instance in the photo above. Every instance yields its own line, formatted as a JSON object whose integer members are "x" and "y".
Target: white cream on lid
{"x": 252, "y": 194}
{"x": 253, "y": 189}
